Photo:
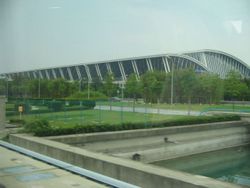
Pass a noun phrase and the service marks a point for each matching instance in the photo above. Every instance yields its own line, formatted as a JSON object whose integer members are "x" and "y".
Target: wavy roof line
{"x": 183, "y": 55}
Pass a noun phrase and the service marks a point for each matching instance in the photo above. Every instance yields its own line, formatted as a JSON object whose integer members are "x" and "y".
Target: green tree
{"x": 159, "y": 85}
{"x": 58, "y": 88}
{"x": 132, "y": 87}
{"x": 3, "y": 86}
{"x": 188, "y": 84}
{"x": 235, "y": 88}
{"x": 211, "y": 88}
{"x": 108, "y": 86}
{"x": 148, "y": 84}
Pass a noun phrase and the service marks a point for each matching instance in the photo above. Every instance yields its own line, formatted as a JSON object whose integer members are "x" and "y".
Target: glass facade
{"x": 93, "y": 72}
{"x": 115, "y": 70}
{"x": 83, "y": 72}
{"x": 128, "y": 68}
{"x": 74, "y": 73}
{"x": 157, "y": 64}
{"x": 58, "y": 75}
{"x": 65, "y": 73}
{"x": 51, "y": 76}
{"x": 43, "y": 74}
{"x": 141, "y": 66}
{"x": 103, "y": 69}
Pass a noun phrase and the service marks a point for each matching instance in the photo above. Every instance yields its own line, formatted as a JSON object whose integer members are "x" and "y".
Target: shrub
{"x": 94, "y": 95}
{"x": 43, "y": 129}
{"x": 37, "y": 126}
{"x": 17, "y": 121}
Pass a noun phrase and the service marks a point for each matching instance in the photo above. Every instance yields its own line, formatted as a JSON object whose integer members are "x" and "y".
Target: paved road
{"x": 17, "y": 170}
{"x": 147, "y": 110}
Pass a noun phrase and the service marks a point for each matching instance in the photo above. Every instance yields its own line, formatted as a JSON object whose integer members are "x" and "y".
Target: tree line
{"x": 180, "y": 86}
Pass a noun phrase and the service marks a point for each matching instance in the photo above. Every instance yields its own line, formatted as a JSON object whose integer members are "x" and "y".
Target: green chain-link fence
{"x": 72, "y": 112}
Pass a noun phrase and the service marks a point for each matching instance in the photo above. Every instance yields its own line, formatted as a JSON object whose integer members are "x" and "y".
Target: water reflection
{"x": 231, "y": 165}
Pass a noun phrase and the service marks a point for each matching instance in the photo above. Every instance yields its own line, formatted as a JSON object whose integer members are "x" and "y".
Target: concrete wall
{"x": 93, "y": 137}
{"x": 2, "y": 112}
{"x": 146, "y": 176}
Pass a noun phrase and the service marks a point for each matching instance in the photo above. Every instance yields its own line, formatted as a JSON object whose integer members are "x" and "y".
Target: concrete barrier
{"x": 186, "y": 149}
{"x": 143, "y": 175}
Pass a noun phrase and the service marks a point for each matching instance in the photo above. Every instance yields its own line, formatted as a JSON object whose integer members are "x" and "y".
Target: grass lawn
{"x": 70, "y": 118}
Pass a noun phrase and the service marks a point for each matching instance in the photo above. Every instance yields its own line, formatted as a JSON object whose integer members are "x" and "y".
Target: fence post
{"x": 2, "y": 111}
{"x": 121, "y": 113}
{"x": 100, "y": 119}
{"x": 145, "y": 114}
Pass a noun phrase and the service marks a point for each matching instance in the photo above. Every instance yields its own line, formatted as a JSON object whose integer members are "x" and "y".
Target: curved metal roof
{"x": 219, "y": 62}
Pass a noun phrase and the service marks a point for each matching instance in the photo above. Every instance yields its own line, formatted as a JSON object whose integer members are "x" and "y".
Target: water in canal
{"x": 232, "y": 164}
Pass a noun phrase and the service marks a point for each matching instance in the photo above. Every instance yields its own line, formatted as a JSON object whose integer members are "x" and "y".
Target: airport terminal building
{"x": 212, "y": 61}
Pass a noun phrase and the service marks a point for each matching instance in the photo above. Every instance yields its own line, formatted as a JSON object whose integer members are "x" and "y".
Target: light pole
{"x": 172, "y": 83}
{"x": 88, "y": 88}
{"x": 122, "y": 88}
{"x": 39, "y": 88}
{"x": 87, "y": 81}
{"x": 7, "y": 89}
{"x": 7, "y": 86}
{"x": 80, "y": 85}
{"x": 39, "y": 84}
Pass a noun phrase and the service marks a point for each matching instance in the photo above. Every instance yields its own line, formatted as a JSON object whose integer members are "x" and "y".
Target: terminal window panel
{"x": 93, "y": 72}
{"x": 31, "y": 75}
{"x": 44, "y": 74}
{"x": 116, "y": 70}
{"x": 58, "y": 75}
{"x": 141, "y": 66}
{"x": 74, "y": 73}
{"x": 51, "y": 76}
{"x": 103, "y": 69}
{"x": 26, "y": 75}
{"x": 65, "y": 73}
{"x": 83, "y": 72}
{"x": 170, "y": 63}
{"x": 195, "y": 56}
{"x": 176, "y": 63}
{"x": 128, "y": 67}
{"x": 157, "y": 63}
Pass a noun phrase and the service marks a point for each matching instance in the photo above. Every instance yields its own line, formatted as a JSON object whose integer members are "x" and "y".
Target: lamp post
{"x": 172, "y": 84}
{"x": 122, "y": 88}
{"x": 39, "y": 88}
{"x": 87, "y": 81}
{"x": 7, "y": 86}
{"x": 88, "y": 88}
{"x": 39, "y": 84}
{"x": 80, "y": 85}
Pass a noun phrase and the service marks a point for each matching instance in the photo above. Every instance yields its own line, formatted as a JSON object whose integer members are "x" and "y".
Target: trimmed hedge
{"x": 17, "y": 121}
{"x": 53, "y": 131}
{"x": 37, "y": 126}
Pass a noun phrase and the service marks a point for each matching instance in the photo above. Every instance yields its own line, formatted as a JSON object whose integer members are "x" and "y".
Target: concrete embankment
{"x": 163, "y": 143}
{"x": 137, "y": 173}
{"x": 146, "y": 176}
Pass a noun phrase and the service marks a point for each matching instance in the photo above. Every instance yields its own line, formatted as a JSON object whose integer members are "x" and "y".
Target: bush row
{"x": 48, "y": 130}
{"x": 53, "y": 106}
{"x": 17, "y": 121}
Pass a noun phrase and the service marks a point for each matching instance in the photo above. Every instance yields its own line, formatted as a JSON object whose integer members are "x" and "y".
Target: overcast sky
{"x": 47, "y": 33}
